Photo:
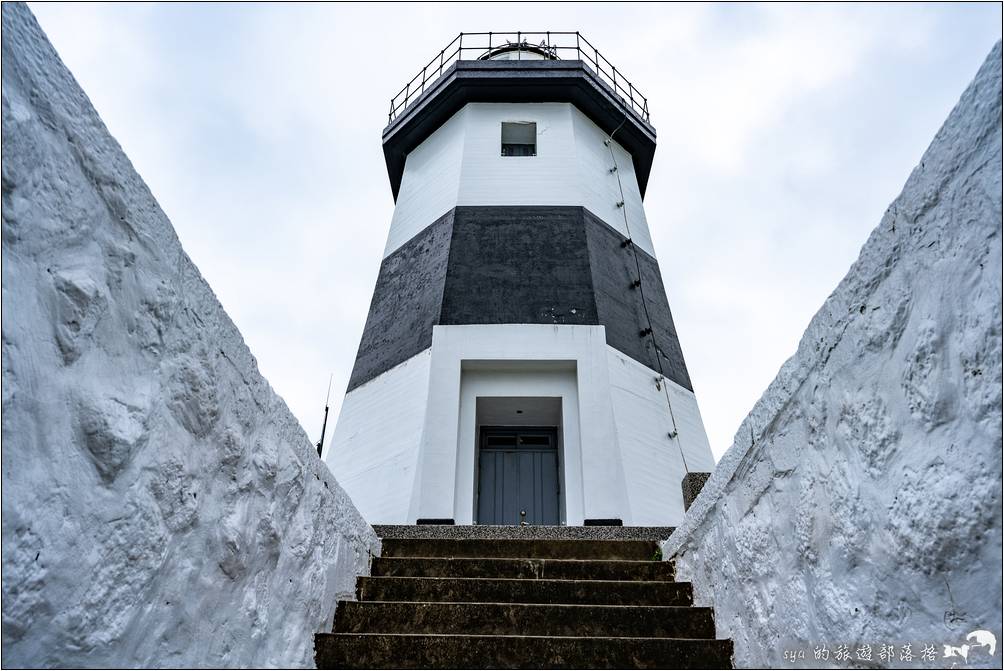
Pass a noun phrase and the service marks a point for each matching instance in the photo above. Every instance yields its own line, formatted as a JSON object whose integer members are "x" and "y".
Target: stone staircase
{"x": 521, "y": 597}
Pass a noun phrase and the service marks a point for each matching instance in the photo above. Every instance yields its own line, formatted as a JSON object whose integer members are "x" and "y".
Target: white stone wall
{"x": 462, "y": 164}
{"x": 161, "y": 505}
{"x": 861, "y": 501}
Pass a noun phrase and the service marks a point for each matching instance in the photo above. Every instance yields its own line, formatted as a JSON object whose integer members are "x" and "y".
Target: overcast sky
{"x": 784, "y": 133}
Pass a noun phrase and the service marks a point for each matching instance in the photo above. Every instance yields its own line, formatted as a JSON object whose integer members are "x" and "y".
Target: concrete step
{"x": 528, "y": 532}
{"x": 513, "y": 597}
{"x": 523, "y": 619}
{"x": 555, "y": 569}
{"x": 401, "y": 651}
{"x": 468, "y": 590}
{"x": 520, "y": 548}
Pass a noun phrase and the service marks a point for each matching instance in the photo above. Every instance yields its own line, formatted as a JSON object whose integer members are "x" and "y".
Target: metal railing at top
{"x": 543, "y": 45}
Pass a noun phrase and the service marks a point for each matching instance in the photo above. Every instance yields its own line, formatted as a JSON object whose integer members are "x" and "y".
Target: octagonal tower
{"x": 520, "y": 362}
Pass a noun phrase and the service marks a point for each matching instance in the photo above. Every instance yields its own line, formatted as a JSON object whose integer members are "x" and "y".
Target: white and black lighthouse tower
{"x": 520, "y": 361}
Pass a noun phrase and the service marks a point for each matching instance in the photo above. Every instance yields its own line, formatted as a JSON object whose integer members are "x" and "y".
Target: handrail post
{"x": 519, "y": 47}
{"x": 460, "y": 49}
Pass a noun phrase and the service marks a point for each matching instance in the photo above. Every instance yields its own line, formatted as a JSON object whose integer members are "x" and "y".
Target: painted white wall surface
{"x": 654, "y": 462}
{"x": 518, "y": 379}
{"x": 549, "y": 178}
{"x": 161, "y": 505}
{"x": 602, "y": 475}
{"x": 601, "y": 189}
{"x": 405, "y": 444}
{"x": 374, "y": 449}
{"x": 462, "y": 164}
{"x": 431, "y": 182}
{"x": 861, "y": 500}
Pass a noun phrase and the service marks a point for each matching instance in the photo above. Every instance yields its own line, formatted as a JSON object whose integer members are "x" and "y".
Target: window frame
{"x": 518, "y": 149}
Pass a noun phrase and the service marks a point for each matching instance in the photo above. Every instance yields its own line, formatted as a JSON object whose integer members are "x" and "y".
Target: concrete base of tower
{"x": 498, "y": 424}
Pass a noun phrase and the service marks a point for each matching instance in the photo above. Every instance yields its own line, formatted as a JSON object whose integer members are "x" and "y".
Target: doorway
{"x": 518, "y": 475}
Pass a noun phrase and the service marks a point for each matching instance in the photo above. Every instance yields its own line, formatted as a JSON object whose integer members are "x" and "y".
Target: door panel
{"x": 488, "y": 463}
{"x": 549, "y": 504}
{"x": 510, "y": 482}
{"x": 518, "y": 471}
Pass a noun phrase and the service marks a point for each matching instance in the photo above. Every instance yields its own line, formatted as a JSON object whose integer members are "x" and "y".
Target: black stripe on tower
{"x": 518, "y": 265}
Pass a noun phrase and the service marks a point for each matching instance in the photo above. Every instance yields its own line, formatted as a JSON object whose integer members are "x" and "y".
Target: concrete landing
{"x": 530, "y": 532}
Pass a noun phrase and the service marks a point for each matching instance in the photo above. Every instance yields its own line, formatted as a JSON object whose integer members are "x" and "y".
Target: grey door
{"x": 518, "y": 471}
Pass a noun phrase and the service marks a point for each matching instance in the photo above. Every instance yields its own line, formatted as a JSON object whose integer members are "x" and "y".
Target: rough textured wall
{"x": 161, "y": 505}
{"x": 861, "y": 501}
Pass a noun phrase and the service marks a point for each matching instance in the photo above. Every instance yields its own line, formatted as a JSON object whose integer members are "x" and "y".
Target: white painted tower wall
{"x": 461, "y": 164}
{"x": 404, "y": 445}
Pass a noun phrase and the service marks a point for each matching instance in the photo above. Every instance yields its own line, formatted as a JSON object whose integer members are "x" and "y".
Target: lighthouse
{"x": 519, "y": 362}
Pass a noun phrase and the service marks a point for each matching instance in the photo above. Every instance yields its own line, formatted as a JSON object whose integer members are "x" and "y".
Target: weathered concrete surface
{"x": 523, "y": 619}
{"x": 528, "y": 532}
{"x": 395, "y": 651}
{"x": 861, "y": 501}
{"x": 520, "y": 548}
{"x": 693, "y": 483}
{"x": 524, "y": 569}
{"x": 161, "y": 505}
{"x": 483, "y": 612}
{"x": 489, "y": 590}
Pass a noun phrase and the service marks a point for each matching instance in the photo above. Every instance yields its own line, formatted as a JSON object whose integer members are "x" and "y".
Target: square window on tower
{"x": 519, "y": 138}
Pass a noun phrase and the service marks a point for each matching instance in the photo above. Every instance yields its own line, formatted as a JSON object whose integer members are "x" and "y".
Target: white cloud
{"x": 784, "y": 132}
